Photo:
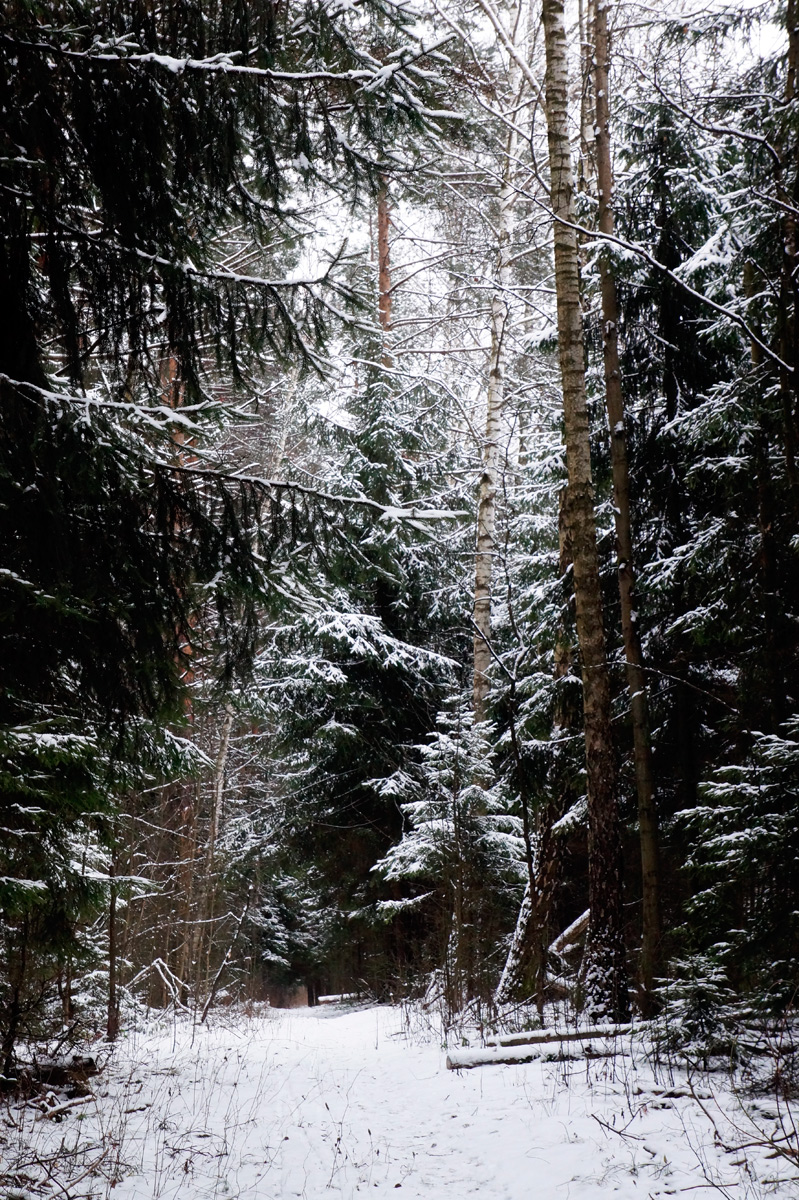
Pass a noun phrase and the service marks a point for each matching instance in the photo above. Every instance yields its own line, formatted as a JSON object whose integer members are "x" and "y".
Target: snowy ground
{"x": 340, "y": 1102}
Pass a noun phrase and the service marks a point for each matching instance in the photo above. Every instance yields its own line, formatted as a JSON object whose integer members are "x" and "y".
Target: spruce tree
{"x": 134, "y": 141}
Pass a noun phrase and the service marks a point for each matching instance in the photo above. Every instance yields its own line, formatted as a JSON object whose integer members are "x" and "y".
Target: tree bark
{"x": 787, "y": 196}
{"x": 218, "y": 783}
{"x": 384, "y": 272}
{"x": 614, "y": 399}
{"x": 495, "y": 398}
{"x": 186, "y": 879}
{"x": 606, "y": 982}
{"x": 112, "y": 1016}
{"x": 525, "y": 969}
{"x": 217, "y": 798}
{"x": 16, "y": 969}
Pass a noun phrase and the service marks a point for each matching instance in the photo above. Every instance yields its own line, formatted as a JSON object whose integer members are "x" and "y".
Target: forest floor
{"x": 346, "y": 1101}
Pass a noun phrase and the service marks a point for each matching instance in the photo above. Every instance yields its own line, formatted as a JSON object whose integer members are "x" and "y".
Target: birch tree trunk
{"x": 614, "y": 399}
{"x": 495, "y": 398}
{"x": 606, "y": 984}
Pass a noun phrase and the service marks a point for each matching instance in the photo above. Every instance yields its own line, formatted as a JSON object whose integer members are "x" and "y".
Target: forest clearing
{"x": 349, "y": 1101}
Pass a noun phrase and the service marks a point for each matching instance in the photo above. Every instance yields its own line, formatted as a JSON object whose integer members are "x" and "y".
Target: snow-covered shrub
{"x": 700, "y": 1013}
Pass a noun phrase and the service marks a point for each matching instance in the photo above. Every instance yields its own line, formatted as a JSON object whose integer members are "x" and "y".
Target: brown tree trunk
{"x": 186, "y": 880}
{"x": 614, "y": 398}
{"x": 12, "y": 1017}
{"x": 384, "y": 271}
{"x": 112, "y": 1016}
{"x": 606, "y": 981}
{"x": 787, "y": 197}
{"x": 217, "y": 799}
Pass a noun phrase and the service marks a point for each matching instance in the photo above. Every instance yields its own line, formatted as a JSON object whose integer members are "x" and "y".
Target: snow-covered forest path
{"x": 341, "y": 1102}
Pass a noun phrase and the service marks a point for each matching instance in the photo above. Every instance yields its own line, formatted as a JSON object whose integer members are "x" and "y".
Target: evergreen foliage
{"x": 352, "y": 682}
{"x": 235, "y": 633}
{"x": 744, "y": 843}
{"x": 134, "y": 141}
{"x": 459, "y": 862}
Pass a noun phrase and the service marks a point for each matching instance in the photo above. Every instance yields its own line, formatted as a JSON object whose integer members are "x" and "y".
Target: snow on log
{"x": 528, "y": 1047}
{"x": 459, "y": 1060}
{"x": 545, "y": 1036}
{"x": 570, "y": 935}
{"x": 464, "y": 1060}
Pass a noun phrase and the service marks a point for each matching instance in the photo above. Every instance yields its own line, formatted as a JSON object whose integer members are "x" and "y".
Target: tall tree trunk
{"x": 495, "y": 398}
{"x": 614, "y": 399}
{"x": 486, "y": 512}
{"x": 606, "y": 981}
{"x": 587, "y": 164}
{"x": 788, "y": 196}
{"x": 12, "y": 1016}
{"x": 217, "y": 798}
{"x": 186, "y": 880}
{"x": 112, "y": 1015}
{"x": 384, "y": 271}
{"x": 775, "y": 644}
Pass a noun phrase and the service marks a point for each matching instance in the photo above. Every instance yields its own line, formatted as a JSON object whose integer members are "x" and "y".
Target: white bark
{"x": 513, "y": 962}
{"x": 606, "y": 976}
{"x": 495, "y": 399}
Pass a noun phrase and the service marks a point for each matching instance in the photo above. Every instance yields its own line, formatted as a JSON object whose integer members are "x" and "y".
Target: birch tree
{"x": 605, "y": 975}
{"x": 495, "y": 391}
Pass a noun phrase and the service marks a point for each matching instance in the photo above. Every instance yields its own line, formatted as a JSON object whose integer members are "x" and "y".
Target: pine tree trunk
{"x": 636, "y": 680}
{"x": 606, "y": 983}
{"x": 384, "y": 271}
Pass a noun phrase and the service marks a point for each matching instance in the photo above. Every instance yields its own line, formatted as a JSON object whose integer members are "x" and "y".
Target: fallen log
{"x": 486, "y": 1056}
{"x": 536, "y": 1037}
{"x": 460, "y": 1060}
{"x": 564, "y": 940}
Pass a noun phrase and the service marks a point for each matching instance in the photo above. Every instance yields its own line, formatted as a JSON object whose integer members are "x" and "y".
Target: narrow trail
{"x": 342, "y": 1103}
